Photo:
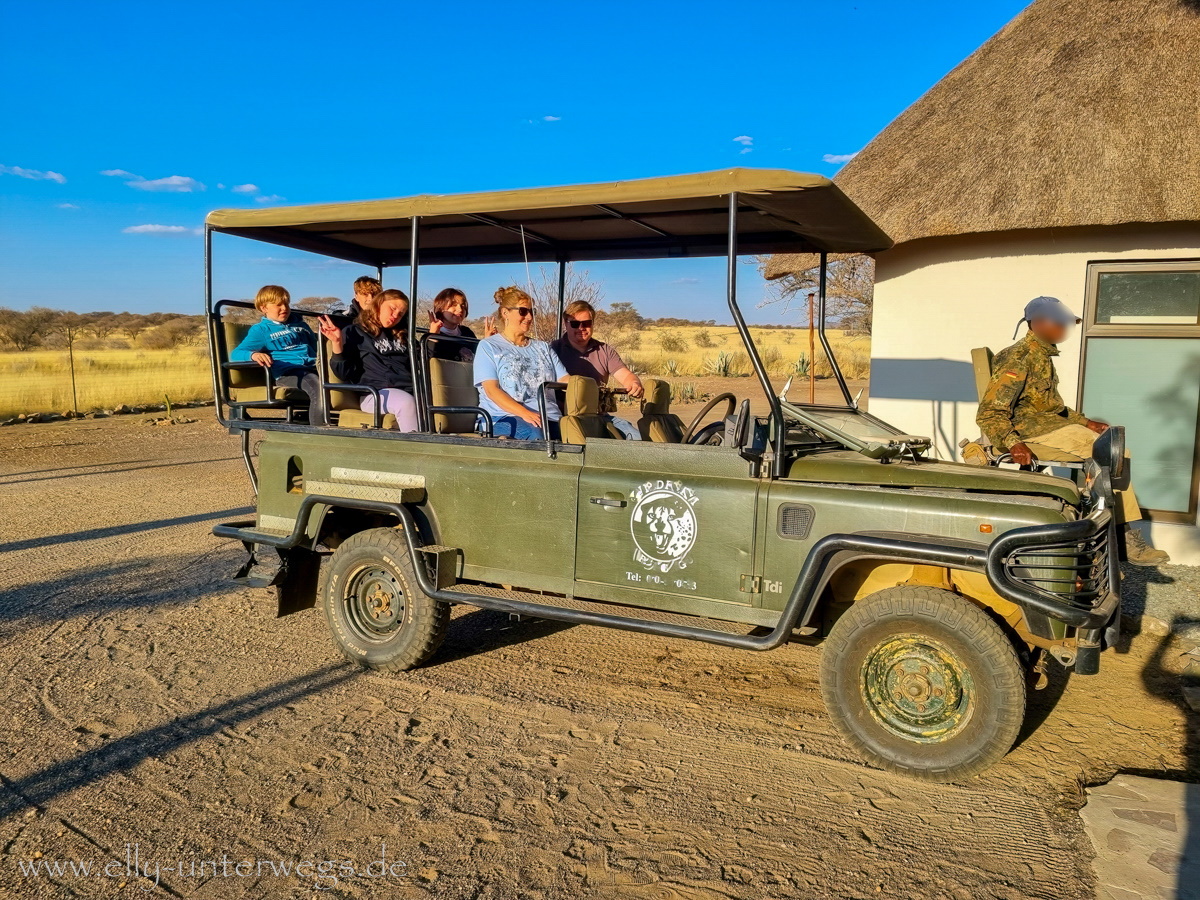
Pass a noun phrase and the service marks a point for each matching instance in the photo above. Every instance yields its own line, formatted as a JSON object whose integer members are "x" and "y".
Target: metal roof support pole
{"x": 379, "y": 273}
{"x": 562, "y": 296}
{"x": 214, "y": 325}
{"x": 751, "y": 350}
{"x": 837, "y": 371}
{"x": 418, "y": 372}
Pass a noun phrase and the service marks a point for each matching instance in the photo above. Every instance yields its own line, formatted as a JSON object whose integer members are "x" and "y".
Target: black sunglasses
{"x": 578, "y": 323}
{"x": 522, "y": 311}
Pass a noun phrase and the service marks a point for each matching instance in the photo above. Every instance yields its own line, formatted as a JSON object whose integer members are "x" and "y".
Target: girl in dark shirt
{"x": 374, "y": 351}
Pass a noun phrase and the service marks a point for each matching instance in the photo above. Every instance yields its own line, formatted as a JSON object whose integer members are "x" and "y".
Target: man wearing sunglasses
{"x": 582, "y": 354}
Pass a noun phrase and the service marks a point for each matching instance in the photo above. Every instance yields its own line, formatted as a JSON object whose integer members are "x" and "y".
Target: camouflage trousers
{"x": 1073, "y": 443}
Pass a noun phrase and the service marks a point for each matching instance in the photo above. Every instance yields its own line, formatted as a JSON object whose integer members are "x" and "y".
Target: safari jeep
{"x": 935, "y": 588}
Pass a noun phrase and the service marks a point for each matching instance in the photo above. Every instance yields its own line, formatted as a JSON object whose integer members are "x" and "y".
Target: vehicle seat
{"x": 583, "y": 419}
{"x": 452, "y": 383}
{"x": 344, "y": 408}
{"x": 981, "y": 360}
{"x": 658, "y": 423}
{"x": 250, "y": 385}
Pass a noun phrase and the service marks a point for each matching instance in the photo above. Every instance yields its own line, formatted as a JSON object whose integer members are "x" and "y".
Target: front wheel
{"x": 923, "y": 683}
{"x": 380, "y": 618}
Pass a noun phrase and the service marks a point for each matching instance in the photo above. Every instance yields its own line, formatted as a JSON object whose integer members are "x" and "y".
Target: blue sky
{"x": 125, "y": 123}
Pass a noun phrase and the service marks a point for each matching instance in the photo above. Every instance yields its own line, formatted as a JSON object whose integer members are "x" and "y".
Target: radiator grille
{"x": 795, "y": 520}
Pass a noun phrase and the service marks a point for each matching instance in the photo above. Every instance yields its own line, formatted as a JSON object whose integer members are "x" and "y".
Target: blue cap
{"x": 1048, "y": 308}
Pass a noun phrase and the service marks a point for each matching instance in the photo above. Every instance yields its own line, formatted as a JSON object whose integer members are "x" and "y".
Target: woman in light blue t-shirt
{"x": 510, "y": 369}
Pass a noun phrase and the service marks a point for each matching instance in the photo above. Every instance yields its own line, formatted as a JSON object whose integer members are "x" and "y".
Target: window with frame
{"x": 1140, "y": 368}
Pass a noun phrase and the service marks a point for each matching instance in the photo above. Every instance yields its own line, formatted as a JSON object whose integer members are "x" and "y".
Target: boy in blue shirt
{"x": 283, "y": 343}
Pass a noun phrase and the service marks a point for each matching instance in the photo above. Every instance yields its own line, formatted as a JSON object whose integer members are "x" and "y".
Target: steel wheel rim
{"x": 917, "y": 688}
{"x": 374, "y": 604}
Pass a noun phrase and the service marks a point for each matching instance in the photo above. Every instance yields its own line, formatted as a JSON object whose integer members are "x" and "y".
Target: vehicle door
{"x": 658, "y": 519}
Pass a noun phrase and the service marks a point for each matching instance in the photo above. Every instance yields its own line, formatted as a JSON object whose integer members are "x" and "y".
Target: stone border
{"x": 120, "y": 410}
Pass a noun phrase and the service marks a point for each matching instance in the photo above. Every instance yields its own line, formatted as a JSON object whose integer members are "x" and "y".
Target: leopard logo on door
{"x": 663, "y": 524}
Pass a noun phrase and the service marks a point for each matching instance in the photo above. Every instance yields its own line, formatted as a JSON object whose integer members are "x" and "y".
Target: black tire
{"x": 379, "y": 616}
{"x": 923, "y": 683}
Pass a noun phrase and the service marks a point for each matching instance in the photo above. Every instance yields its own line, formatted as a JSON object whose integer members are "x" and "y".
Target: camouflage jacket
{"x": 1022, "y": 399}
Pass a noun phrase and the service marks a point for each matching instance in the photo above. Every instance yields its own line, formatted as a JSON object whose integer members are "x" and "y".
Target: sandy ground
{"x": 155, "y": 711}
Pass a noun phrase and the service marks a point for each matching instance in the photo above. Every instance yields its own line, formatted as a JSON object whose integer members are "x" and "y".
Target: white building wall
{"x": 936, "y": 299}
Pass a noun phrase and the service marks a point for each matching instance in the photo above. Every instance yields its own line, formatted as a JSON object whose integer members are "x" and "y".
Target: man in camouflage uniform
{"x": 1022, "y": 412}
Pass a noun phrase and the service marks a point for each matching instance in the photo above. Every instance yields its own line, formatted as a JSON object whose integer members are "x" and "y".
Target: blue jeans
{"x": 518, "y": 429}
{"x": 626, "y": 428}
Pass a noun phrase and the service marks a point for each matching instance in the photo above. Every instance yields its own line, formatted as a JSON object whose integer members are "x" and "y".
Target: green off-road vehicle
{"x": 934, "y": 588}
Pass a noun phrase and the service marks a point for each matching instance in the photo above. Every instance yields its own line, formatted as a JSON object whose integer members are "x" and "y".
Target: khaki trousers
{"x": 1073, "y": 443}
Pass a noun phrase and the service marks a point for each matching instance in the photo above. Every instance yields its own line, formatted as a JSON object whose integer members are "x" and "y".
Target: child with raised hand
{"x": 449, "y": 310}
{"x": 282, "y": 342}
{"x": 373, "y": 350}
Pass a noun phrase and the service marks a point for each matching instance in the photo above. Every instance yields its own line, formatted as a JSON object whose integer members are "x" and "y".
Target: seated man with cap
{"x": 1023, "y": 413}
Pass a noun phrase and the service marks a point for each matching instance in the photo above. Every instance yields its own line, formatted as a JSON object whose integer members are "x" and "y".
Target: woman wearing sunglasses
{"x": 582, "y": 354}
{"x": 510, "y": 369}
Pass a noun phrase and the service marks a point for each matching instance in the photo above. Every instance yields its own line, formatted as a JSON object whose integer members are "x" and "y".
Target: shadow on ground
{"x": 485, "y": 630}
{"x": 120, "y": 755}
{"x": 1161, "y": 681}
{"x": 139, "y": 583}
{"x": 92, "y": 534}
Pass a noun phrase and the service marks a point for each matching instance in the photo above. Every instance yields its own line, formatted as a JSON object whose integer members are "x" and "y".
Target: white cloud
{"x": 245, "y": 188}
{"x": 838, "y": 158}
{"x": 746, "y": 141}
{"x": 156, "y": 229}
{"x": 32, "y": 174}
{"x": 269, "y": 198}
{"x": 179, "y": 184}
{"x": 551, "y": 118}
{"x": 67, "y": 206}
{"x": 220, "y": 187}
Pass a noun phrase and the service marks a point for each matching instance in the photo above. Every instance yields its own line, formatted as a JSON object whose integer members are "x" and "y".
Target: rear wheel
{"x": 379, "y": 616}
{"x": 923, "y": 683}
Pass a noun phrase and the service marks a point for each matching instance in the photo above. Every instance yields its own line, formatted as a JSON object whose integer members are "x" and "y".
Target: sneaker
{"x": 1139, "y": 553}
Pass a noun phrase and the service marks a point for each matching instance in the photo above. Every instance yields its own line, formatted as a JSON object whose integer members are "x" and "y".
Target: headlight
{"x": 1109, "y": 451}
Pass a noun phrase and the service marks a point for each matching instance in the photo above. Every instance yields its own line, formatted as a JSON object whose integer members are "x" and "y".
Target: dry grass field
{"x": 716, "y": 350}
{"x": 40, "y": 380}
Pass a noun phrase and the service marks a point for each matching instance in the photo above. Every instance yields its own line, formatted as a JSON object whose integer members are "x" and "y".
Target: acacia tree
{"x": 849, "y": 290}
{"x": 133, "y": 325}
{"x": 25, "y": 330}
{"x": 577, "y": 285}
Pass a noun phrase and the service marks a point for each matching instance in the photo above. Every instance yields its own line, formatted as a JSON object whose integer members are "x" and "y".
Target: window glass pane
{"x": 1148, "y": 298}
{"x": 1152, "y": 387}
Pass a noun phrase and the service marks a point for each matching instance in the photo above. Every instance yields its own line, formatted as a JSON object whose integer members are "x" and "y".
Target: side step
{"x": 552, "y": 602}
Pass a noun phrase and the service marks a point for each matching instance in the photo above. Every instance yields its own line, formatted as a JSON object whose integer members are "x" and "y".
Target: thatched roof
{"x": 1078, "y": 112}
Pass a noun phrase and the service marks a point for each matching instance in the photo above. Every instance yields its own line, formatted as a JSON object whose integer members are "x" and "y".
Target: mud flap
{"x": 293, "y": 573}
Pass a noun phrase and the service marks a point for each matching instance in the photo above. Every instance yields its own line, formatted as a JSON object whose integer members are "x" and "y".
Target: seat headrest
{"x": 657, "y": 400}
{"x": 583, "y": 396}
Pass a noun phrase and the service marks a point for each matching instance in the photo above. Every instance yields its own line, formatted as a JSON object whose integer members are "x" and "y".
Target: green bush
{"x": 672, "y": 342}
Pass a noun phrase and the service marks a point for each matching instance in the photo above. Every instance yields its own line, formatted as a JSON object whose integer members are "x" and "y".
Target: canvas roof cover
{"x": 676, "y": 216}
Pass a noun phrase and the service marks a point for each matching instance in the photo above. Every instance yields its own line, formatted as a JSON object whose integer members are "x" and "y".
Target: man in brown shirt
{"x": 582, "y": 354}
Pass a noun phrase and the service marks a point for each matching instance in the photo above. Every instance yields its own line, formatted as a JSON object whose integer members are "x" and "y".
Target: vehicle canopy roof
{"x": 676, "y": 216}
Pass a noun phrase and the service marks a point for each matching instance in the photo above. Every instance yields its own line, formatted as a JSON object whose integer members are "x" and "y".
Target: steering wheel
{"x": 705, "y": 435}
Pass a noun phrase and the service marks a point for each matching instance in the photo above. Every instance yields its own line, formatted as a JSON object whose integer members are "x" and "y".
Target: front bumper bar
{"x": 1068, "y": 571}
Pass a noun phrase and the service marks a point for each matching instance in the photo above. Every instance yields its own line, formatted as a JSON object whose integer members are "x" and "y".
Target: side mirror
{"x": 1108, "y": 451}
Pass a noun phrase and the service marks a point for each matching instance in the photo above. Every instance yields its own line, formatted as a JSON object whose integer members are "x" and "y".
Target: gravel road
{"x": 157, "y": 712}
